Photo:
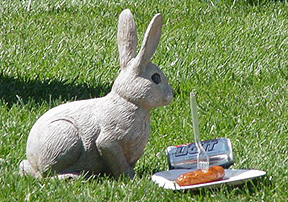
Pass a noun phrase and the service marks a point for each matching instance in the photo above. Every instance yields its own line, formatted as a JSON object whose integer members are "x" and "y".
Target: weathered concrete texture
{"x": 108, "y": 134}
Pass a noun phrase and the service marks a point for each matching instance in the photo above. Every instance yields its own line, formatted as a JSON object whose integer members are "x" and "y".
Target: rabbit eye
{"x": 156, "y": 78}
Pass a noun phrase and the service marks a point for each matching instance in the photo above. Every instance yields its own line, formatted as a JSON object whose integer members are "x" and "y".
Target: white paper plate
{"x": 166, "y": 179}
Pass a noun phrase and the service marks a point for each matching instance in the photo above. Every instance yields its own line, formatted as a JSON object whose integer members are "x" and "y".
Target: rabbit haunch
{"x": 108, "y": 134}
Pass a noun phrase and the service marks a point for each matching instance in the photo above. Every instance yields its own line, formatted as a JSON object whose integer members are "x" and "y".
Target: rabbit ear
{"x": 126, "y": 37}
{"x": 150, "y": 41}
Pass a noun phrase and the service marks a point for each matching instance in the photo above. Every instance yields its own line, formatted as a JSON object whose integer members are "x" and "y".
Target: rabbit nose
{"x": 169, "y": 96}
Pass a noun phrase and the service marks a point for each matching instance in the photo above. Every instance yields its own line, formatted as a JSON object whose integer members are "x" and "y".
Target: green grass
{"x": 233, "y": 55}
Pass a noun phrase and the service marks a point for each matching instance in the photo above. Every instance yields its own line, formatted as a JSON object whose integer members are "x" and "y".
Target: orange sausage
{"x": 198, "y": 176}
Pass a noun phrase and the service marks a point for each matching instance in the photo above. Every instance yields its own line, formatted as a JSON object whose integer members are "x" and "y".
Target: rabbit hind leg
{"x": 27, "y": 170}
{"x": 60, "y": 148}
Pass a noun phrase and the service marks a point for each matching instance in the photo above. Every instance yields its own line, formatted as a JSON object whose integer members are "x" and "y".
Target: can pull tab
{"x": 202, "y": 156}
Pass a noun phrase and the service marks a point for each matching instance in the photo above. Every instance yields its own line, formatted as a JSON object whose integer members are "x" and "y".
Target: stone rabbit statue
{"x": 107, "y": 134}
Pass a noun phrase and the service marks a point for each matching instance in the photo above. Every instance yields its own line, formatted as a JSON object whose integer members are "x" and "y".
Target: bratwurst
{"x": 201, "y": 176}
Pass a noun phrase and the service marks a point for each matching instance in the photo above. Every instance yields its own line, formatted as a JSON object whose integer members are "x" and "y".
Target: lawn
{"x": 232, "y": 54}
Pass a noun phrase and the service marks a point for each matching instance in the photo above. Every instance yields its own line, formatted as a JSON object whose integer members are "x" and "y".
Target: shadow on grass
{"x": 11, "y": 90}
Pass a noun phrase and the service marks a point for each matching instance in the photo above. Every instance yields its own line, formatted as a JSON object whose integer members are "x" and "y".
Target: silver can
{"x": 185, "y": 156}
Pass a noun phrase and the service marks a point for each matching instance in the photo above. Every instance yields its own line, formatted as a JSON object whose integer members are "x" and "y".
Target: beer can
{"x": 185, "y": 155}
